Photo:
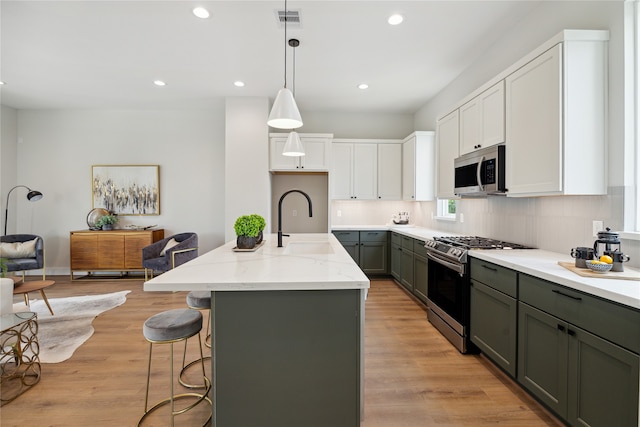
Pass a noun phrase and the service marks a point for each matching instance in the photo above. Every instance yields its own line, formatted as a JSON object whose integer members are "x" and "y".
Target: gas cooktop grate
{"x": 475, "y": 242}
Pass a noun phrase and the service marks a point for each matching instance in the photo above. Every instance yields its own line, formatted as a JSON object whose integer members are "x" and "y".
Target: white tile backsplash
{"x": 556, "y": 223}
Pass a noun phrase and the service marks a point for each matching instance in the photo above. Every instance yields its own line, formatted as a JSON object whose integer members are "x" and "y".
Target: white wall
{"x": 8, "y": 162}
{"x": 58, "y": 148}
{"x": 358, "y": 125}
{"x": 248, "y": 188}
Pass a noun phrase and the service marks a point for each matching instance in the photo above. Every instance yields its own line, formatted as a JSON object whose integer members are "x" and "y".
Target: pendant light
{"x": 284, "y": 113}
{"x": 293, "y": 147}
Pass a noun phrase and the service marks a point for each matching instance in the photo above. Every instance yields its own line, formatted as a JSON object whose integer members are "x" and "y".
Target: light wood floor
{"x": 413, "y": 376}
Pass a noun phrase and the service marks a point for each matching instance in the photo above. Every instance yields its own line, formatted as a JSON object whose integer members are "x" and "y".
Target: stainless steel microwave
{"x": 480, "y": 172}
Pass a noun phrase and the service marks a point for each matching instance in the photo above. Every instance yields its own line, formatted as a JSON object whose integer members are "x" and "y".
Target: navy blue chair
{"x": 169, "y": 253}
{"x": 12, "y": 249}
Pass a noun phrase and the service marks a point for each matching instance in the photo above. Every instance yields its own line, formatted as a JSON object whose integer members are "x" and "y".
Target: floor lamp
{"x": 32, "y": 196}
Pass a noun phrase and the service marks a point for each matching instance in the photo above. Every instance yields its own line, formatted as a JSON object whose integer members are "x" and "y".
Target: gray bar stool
{"x": 169, "y": 327}
{"x": 197, "y": 300}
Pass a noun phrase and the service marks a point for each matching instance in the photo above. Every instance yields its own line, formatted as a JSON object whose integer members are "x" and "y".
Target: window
{"x": 447, "y": 209}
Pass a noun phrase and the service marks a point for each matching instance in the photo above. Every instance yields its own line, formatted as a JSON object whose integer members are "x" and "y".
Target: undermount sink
{"x": 308, "y": 248}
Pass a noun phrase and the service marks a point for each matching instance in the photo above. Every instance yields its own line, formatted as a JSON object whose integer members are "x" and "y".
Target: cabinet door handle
{"x": 560, "y": 328}
{"x": 495, "y": 270}
{"x": 571, "y": 332}
{"x": 555, "y": 291}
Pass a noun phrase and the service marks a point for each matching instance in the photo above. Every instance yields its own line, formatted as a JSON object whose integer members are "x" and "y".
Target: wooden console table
{"x": 117, "y": 251}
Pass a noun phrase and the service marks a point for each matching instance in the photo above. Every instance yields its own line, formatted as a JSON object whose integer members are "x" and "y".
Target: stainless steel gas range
{"x": 448, "y": 290}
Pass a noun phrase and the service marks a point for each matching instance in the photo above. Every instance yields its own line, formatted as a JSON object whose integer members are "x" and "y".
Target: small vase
{"x": 107, "y": 227}
{"x": 246, "y": 242}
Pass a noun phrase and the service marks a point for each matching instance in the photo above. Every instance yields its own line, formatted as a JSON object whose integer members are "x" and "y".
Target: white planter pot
{"x": 6, "y": 295}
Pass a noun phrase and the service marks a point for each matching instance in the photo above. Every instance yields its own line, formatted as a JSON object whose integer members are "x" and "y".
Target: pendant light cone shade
{"x": 293, "y": 147}
{"x": 285, "y": 113}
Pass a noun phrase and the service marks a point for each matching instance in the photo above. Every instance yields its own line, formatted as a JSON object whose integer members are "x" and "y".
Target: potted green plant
{"x": 261, "y": 224}
{"x": 247, "y": 229}
{"x": 107, "y": 222}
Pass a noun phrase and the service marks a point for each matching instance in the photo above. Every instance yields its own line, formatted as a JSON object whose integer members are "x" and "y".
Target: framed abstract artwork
{"x": 126, "y": 189}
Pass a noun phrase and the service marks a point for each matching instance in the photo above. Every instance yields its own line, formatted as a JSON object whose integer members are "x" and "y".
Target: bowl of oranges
{"x": 602, "y": 265}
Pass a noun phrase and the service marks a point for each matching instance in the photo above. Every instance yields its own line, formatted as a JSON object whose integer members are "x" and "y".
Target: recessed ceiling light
{"x": 395, "y": 19}
{"x": 363, "y": 86}
{"x": 201, "y": 12}
{"x": 238, "y": 83}
{"x": 159, "y": 83}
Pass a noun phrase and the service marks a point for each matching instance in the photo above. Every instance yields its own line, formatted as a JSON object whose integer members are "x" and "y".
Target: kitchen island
{"x": 287, "y": 331}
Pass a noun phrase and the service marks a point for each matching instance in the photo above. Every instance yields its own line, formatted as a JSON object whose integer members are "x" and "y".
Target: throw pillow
{"x": 171, "y": 243}
{"x": 18, "y": 249}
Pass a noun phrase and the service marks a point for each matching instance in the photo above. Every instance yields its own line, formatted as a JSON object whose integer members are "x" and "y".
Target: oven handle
{"x": 478, "y": 175}
{"x": 458, "y": 268}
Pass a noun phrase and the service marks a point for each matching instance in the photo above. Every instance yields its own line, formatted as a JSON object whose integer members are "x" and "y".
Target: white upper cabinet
{"x": 317, "y": 149}
{"x": 418, "y": 166}
{"x": 366, "y": 169}
{"x": 556, "y": 121}
{"x": 550, "y": 111}
{"x": 341, "y": 175}
{"x": 354, "y": 171}
{"x": 447, "y": 150}
{"x": 389, "y": 171}
{"x": 482, "y": 120}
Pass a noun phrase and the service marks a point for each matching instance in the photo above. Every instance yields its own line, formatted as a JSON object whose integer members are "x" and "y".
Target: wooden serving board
{"x": 627, "y": 274}
{"x": 255, "y": 248}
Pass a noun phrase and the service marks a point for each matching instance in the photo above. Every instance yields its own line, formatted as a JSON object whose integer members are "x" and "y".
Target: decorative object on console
{"x": 106, "y": 222}
{"x": 32, "y": 196}
{"x": 93, "y": 217}
{"x": 126, "y": 189}
{"x": 284, "y": 113}
{"x": 185, "y": 250}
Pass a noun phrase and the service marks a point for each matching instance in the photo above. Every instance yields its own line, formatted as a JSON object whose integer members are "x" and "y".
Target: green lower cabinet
{"x": 353, "y": 248}
{"x": 373, "y": 257}
{"x": 493, "y": 327}
{"x": 586, "y": 380}
{"x": 406, "y": 275}
{"x": 396, "y": 261}
{"x": 420, "y": 277}
{"x": 369, "y": 249}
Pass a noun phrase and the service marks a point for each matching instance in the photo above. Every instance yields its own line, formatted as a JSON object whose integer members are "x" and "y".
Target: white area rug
{"x": 71, "y": 325}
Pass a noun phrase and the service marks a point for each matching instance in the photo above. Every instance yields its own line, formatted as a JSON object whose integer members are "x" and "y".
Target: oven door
{"x": 448, "y": 288}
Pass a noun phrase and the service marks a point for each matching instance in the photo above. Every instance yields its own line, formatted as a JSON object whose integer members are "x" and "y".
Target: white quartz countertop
{"x": 544, "y": 265}
{"x": 305, "y": 262}
{"x": 408, "y": 230}
{"x": 535, "y": 262}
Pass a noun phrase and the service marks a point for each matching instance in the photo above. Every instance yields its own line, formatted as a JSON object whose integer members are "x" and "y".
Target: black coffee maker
{"x": 607, "y": 239}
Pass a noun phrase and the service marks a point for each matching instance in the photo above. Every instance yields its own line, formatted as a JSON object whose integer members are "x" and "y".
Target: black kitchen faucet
{"x": 280, "y": 212}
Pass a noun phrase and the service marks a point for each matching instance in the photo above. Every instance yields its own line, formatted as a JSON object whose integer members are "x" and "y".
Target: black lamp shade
{"x": 34, "y": 196}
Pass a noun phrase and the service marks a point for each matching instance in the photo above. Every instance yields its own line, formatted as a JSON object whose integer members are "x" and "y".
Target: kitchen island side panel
{"x": 287, "y": 358}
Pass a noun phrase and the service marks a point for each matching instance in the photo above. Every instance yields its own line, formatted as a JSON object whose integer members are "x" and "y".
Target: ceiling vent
{"x": 292, "y": 17}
